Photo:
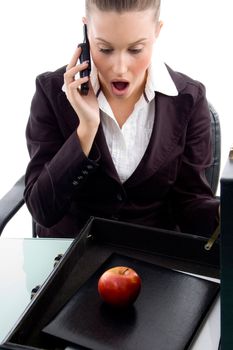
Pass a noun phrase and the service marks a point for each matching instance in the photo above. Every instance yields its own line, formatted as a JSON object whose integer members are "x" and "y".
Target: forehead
{"x": 114, "y": 25}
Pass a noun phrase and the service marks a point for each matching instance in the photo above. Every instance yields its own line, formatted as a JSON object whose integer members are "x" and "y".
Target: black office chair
{"x": 213, "y": 172}
{"x": 13, "y": 200}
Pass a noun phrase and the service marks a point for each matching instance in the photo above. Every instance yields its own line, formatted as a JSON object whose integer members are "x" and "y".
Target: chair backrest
{"x": 213, "y": 172}
{"x": 11, "y": 203}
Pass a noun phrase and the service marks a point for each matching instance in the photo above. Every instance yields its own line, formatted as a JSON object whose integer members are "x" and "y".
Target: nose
{"x": 120, "y": 65}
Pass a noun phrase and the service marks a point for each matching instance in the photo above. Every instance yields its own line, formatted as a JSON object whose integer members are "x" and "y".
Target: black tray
{"x": 97, "y": 242}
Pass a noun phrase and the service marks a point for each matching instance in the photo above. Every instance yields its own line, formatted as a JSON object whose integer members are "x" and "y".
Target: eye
{"x": 135, "y": 51}
{"x": 106, "y": 51}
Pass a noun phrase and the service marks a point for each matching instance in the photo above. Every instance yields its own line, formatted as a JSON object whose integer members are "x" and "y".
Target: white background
{"x": 38, "y": 36}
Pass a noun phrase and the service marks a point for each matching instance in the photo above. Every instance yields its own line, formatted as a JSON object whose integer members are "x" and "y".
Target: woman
{"x": 135, "y": 148}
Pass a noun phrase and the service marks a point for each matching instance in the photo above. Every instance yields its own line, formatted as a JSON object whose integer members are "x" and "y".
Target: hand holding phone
{"x": 85, "y": 56}
{"x": 76, "y": 78}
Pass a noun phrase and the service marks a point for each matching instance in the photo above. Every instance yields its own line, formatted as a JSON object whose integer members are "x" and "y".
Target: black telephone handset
{"x": 85, "y": 56}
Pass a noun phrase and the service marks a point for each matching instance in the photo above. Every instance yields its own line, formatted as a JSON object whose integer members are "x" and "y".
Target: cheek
{"x": 99, "y": 61}
{"x": 142, "y": 62}
{"x": 141, "y": 65}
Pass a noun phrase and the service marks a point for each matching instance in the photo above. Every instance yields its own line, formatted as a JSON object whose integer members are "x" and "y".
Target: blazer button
{"x": 119, "y": 197}
{"x": 89, "y": 167}
{"x": 75, "y": 183}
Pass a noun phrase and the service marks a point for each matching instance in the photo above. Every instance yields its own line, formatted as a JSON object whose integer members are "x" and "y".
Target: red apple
{"x": 119, "y": 286}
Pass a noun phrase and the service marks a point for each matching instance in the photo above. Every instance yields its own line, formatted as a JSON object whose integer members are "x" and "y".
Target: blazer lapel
{"x": 171, "y": 117}
{"x": 106, "y": 159}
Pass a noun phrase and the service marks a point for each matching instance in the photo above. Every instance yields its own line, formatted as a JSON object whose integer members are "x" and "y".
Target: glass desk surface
{"x": 26, "y": 263}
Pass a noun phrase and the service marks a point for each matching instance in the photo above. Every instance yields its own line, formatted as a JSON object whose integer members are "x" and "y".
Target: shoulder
{"x": 187, "y": 85}
{"x": 191, "y": 101}
{"x": 51, "y": 80}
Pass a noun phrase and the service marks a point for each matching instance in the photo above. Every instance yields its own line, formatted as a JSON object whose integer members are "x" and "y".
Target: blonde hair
{"x": 124, "y": 5}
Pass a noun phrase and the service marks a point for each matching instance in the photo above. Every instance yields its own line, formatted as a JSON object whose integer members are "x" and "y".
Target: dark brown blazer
{"x": 168, "y": 189}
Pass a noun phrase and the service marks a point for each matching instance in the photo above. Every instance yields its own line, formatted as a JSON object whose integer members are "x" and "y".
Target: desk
{"x": 25, "y": 263}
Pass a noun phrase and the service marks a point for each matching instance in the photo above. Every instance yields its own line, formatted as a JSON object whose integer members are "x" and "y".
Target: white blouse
{"x": 128, "y": 144}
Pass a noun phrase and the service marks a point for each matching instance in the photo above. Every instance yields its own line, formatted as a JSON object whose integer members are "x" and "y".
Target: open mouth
{"x": 120, "y": 85}
{"x": 120, "y": 88}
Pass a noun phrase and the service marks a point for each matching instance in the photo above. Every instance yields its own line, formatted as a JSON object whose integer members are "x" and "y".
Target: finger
{"x": 76, "y": 69}
{"x": 78, "y": 82}
{"x": 74, "y": 87}
{"x": 74, "y": 58}
{"x": 69, "y": 75}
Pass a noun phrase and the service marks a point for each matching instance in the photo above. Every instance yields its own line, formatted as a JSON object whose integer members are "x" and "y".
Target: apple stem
{"x": 125, "y": 271}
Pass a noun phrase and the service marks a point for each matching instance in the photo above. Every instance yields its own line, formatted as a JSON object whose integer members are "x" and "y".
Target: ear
{"x": 84, "y": 19}
{"x": 158, "y": 28}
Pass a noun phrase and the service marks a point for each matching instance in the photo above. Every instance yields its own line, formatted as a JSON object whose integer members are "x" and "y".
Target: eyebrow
{"x": 131, "y": 44}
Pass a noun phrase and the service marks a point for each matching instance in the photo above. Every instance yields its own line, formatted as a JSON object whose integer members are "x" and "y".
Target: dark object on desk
{"x": 13, "y": 200}
{"x": 88, "y": 252}
{"x": 227, "y": 256}
{"x": 167, "y": 314}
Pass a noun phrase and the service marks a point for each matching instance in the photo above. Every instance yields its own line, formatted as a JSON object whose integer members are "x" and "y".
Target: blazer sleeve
{"x": 58, "y": 166}
{"x": 194, "y": 204}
